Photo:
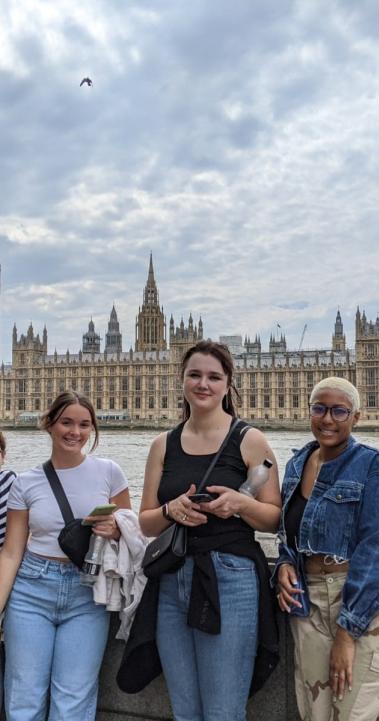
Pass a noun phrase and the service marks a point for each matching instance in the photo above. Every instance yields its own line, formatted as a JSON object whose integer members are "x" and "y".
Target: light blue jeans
{"x": 208, "y": 676}
{"x": 55, "y": 638}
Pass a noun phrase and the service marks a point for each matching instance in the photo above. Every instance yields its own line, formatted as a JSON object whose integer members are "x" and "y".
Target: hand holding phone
{"x": 203, "y": 497}
{"x": 104, "y": 510}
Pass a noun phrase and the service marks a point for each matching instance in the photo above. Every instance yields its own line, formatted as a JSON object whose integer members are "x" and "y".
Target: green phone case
{"x": 104, "y": 510}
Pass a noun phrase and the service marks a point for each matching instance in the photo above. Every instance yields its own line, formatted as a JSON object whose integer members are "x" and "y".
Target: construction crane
{"x": 302, "y": 336}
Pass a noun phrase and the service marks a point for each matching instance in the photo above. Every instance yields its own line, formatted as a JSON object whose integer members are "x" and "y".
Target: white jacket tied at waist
{"x": 121, "y": 579}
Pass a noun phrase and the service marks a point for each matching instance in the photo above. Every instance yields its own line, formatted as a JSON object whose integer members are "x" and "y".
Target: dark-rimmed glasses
{"x": 338, "y": 413}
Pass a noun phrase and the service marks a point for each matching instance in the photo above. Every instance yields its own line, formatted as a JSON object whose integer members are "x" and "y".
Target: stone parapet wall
{"x": 275, "y": 702}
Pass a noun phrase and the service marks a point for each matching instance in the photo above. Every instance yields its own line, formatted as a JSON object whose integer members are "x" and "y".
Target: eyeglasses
{"x": 338, "y": 413}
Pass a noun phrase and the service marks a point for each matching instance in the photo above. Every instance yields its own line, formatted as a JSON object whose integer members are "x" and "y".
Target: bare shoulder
{"x": 255, "y": 437}
{"x": 153, "y": 472}
{"x": 158, "y": 448}
{"x": 255, "y": 445}
{"x": 160, "y": 441}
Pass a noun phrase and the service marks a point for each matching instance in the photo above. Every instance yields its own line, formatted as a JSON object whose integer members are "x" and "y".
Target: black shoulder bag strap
{"x": 58, "y": 491}
{"x": 210, "y": 468}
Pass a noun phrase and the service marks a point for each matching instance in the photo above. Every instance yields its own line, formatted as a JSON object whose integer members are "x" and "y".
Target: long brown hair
{"x": 222, "y": 354}
{"x": 60, "y": 403}
{"x": 3, "y": 443}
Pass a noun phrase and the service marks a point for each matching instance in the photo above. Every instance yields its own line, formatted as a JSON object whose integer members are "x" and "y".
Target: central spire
{"x": 151, "y": 296}
{"x": 150, "y": 322}
{"x": 151, "y": 270}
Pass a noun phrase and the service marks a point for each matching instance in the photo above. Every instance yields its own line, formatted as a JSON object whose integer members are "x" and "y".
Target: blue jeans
{"x": 55, "y": 638}
{"x": 208, "y": 676}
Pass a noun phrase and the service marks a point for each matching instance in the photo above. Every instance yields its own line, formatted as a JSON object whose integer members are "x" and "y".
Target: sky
{"x": 236, "y": 141}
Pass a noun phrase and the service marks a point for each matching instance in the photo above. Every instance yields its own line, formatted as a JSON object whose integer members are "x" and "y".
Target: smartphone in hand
{"x": 203, "y": 497}
{"x": 104, "y": 510}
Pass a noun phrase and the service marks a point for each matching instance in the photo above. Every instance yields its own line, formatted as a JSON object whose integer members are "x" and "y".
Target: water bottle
{"x": 92, "y": 562}
{"x": 256, "y": 478}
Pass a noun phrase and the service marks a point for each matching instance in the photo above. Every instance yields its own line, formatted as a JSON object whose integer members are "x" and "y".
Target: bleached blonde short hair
{"x": 334, "y": 383}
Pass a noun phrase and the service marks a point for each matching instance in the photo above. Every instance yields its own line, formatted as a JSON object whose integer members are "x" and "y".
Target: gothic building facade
{"x": 144, "y": 385}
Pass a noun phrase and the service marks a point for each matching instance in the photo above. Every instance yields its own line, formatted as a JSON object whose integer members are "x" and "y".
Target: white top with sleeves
{"x": 94, "y": 482}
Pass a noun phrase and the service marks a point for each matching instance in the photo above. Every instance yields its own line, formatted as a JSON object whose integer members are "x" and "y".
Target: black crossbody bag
{"x": 167, "y": 552}
{"x": 74, "y": 538}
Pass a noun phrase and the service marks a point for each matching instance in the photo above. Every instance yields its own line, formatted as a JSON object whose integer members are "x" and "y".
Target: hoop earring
{"x": 226, "y": 397}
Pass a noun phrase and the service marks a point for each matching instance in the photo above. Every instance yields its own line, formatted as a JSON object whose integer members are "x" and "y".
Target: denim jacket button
{"x": 330, "y": 579}
{"x": 339, "y": 497}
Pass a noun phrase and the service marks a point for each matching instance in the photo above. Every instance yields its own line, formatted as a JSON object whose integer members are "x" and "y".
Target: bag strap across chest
{"x": 217, "y": 456}
{"x": 58, "y": 491}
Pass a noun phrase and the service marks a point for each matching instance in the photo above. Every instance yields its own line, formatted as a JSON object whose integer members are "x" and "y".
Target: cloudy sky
{"x": 238, "y": 141}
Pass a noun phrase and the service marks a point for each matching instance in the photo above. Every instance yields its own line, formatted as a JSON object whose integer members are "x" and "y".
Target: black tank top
{"x": 180, "y": 469}
{"x": 293, "y": 516}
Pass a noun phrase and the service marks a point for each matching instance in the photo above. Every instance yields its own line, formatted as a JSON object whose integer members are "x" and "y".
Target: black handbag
{"x": 74, "y": 538}
{"x": 166, "y": 553}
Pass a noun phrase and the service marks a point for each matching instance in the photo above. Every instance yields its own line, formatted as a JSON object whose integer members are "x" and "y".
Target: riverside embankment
{"x": 276, "y": 701}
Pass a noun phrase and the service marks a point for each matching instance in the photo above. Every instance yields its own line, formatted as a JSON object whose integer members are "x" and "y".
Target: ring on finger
{"x": 184, "y": 517}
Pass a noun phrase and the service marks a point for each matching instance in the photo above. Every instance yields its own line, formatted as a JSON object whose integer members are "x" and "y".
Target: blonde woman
{"x": 330, "y": 517}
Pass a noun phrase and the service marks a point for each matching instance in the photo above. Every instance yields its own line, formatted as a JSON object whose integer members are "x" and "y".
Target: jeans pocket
{"x": 232, "y": 562}
{"x": 28, "y": 570}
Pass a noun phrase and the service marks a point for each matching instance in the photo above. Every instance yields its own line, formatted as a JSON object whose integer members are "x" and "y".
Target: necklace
{"x": 319, "y": 464}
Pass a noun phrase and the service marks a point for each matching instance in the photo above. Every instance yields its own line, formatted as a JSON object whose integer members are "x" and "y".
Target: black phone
{"x": 203, "y": 497}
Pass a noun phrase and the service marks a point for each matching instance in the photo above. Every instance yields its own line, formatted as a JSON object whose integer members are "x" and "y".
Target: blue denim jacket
{"x": 341, "y": 519}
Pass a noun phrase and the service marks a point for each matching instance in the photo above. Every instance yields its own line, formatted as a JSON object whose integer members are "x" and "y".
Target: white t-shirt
{"x": 94, "y": 482}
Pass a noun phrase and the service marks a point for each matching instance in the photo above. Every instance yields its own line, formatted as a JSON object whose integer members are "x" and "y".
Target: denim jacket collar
{"x": 301, "y": 456}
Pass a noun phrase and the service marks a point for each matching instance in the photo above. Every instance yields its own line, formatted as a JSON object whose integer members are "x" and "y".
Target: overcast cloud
{"x": 238, "y": 141}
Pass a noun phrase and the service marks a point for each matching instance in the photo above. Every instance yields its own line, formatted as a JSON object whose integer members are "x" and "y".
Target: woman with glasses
{"x": 330, "y": 521}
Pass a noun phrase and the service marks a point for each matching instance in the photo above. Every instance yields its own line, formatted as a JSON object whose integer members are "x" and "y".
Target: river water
{"x": 27, "y": 448}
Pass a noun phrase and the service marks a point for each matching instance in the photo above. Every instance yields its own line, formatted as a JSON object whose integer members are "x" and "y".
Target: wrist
{"x": 166, "y": 513}
{"x": 245, "y": 503}
{"x": 344, "y": 636}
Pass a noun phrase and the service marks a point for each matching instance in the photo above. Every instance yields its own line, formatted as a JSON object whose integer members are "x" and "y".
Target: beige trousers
{"x": 313, "y": 637}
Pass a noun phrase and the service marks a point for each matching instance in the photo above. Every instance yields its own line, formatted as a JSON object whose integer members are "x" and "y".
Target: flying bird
{"x": 86, "y": 80}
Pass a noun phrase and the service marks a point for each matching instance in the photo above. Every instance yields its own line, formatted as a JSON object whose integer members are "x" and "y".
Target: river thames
{"x": 28, "y": 448}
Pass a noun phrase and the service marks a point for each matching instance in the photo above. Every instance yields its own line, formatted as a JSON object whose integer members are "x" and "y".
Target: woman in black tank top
{"x": 207, "y": 624}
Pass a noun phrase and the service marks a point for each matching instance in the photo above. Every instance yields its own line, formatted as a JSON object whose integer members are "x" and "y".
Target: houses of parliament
{"x": 144, "y": 386}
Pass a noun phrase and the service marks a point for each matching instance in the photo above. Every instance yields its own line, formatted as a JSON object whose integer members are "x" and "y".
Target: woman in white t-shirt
{"x": 55, "y": 635}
